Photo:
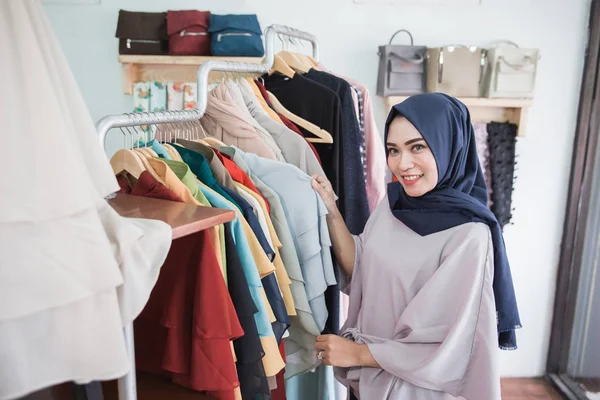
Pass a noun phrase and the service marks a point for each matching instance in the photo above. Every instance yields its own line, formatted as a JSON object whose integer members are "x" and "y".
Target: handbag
{"x": 510, "y": 71}
{"x": 236, "y": 36}
{"x": 188, "y": 33}
{"x": 401, "y": 68}
{"x": 142, "y": 33}
{"x": 455, "y": 70}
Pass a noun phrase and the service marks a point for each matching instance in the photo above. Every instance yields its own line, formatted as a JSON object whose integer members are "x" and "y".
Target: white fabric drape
{"x": 64, "y": 252}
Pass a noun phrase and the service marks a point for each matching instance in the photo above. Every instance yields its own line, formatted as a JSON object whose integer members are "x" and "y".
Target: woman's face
{"x": 410, "y": 159}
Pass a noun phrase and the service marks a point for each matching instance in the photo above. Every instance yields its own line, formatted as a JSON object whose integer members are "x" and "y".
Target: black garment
{"x": 356, "y": 206}
{"x": 502, "y": 139}
{"x": 248, "y": 348}
{"x": 319, "y": 105}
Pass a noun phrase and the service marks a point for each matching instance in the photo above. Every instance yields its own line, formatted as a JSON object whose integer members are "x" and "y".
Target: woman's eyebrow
{"x": 413, "y": 141}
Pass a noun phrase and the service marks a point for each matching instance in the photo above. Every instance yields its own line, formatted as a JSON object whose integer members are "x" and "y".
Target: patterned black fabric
{"x": 502, "y": 138}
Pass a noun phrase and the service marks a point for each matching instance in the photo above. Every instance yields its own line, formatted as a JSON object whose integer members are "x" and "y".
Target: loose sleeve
{"x": 345, "y": 280}
{"x": 449, "y": 321}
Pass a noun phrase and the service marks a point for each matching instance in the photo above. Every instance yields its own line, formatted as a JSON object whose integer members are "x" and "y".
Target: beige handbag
{"x": 510, "y": 71}
{"x": 455, "y": 70}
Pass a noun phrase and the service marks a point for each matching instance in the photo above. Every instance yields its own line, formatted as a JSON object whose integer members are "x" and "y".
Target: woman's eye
{"x": 418, "y": 147}
{"x": 392, "y": 151}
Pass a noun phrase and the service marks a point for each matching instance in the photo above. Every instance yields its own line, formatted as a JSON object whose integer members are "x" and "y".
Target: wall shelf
{"x": 488, "y": 110}
{"x": 139, "y": 68}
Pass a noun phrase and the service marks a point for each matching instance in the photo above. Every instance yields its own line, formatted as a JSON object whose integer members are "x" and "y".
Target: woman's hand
{"x": 325, "y": 190}
{"x": 338, "y": 351}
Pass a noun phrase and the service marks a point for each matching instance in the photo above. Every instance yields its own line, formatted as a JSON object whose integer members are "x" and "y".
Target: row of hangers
{"x": 133, "y": 158}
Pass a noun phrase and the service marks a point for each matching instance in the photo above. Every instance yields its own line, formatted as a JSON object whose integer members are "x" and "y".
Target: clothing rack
{"x": 127, "y": 120}
{"x": 127, "y": 384}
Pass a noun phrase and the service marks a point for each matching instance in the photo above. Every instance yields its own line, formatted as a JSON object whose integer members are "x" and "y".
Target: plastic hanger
{"x": 322, "y": 135}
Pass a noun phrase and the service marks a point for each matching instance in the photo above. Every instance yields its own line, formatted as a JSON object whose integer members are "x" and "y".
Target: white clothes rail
{"x": 127, "y": 384}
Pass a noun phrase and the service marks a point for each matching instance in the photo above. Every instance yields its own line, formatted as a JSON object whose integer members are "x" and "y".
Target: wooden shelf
{"x": 184, "y": 218}
{"x": 168, "y": 68}
{"x": 488, "y": 110}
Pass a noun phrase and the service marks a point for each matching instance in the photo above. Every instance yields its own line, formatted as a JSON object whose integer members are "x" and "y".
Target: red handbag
{"x": 188, "y": 33}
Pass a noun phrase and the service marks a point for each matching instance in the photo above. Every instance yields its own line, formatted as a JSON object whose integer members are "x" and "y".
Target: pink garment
{"x": 376, "y": 160}
{"x": 224, "y": 121}
{"x": 483, "y": 152}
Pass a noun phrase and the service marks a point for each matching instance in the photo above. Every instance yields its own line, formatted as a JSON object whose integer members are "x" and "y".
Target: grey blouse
{"x": 425, "y": 307}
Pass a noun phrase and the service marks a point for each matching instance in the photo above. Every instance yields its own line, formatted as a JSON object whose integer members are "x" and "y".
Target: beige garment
{"x": 224, "y": 121}
{"x": 263, "y": 102}
{"x": 236, "y": 95}
{"x": 427, "y": 316}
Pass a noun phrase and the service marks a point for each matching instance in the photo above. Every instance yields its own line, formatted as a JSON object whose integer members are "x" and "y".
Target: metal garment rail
{"x": 127, "y": 384}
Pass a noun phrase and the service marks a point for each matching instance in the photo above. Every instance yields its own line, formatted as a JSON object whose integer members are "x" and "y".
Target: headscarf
{"x": 460, "y": 195}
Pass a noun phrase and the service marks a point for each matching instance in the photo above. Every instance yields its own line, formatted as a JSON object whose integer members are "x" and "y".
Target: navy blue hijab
{"x": 460, "y": 195}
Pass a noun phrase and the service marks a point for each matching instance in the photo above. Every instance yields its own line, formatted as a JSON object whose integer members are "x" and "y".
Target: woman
{"x": 431, "y": 295}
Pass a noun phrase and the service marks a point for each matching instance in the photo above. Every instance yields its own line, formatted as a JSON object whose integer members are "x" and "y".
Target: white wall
{"x": 349, "y": 35}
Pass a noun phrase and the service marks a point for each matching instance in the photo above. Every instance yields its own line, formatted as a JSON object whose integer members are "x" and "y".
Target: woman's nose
{"x": 405, "y": 162}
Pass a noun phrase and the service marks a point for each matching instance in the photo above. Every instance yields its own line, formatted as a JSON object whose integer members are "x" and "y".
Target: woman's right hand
{"x": 325, "y": 190}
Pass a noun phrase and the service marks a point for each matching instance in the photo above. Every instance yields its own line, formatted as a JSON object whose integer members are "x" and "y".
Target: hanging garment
{"x": 239, "y": 175}
{"x": 280, "y": 271}
{"x": 303, "y": 330}
{"x": 223, "y": 121}
{"x": 180, "y": 180}
{"x": 483, "y": 152}
{"x": 59, "y": 304}
{"x": 264, "y": 102}
{"x": 502, "y": 138}
{"x": 248, "y": 348}
{"x": 356, "y": 209}
{"x": 438, "y": 339}
{"x": 261, "y": 93}
{"x": 319, "y": 105}
{"x": 236, "y": 95}
{"x": 255, "y": 265}
{"x": 308, "y": 226}
{"x": 294, "y": 147}
{"x": 189, "y": 322}
{"x": 375, "y": 153}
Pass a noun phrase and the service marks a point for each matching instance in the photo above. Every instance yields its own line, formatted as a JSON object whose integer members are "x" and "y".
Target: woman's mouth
{"x": 411, "y": 179}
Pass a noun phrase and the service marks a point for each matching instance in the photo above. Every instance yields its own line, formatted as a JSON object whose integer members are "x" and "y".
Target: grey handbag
{"x": 401, "y": 68}
{"x": 455, "y": 70}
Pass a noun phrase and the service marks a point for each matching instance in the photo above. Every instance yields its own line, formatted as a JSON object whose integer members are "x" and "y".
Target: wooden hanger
{"x": 144, "y": 159}
{"x": 129, "y": 161}
{"x": 295, "y": 61}
{"x": 172, "y": 152}
{"x": 211, "y": 141}
{"x": 279, "y": 65}
{"x": 322, "y": 136}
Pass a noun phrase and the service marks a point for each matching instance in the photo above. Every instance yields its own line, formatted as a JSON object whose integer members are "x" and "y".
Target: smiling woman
{"x": 410, "y": 159}
{"x": 431, "y": 295}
